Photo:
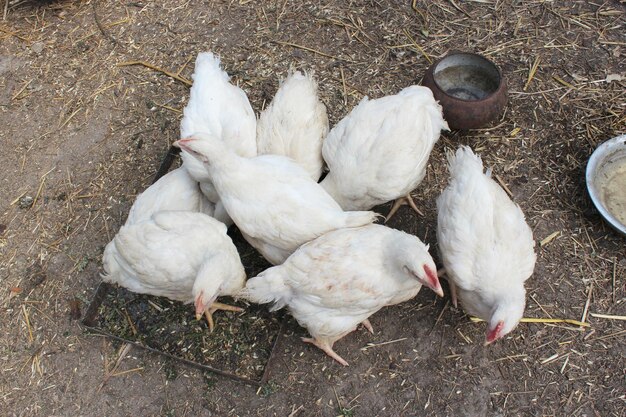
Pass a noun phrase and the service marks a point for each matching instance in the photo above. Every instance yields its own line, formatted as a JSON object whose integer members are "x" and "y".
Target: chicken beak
{"x": 439, "y": 290}
{"x": 182, "y": 143}
{"x": 433, "y": 281}
{"x": 494, "y": 334}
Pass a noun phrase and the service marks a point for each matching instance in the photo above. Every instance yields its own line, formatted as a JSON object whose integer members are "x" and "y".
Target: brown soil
{"x": 82, "y": 135}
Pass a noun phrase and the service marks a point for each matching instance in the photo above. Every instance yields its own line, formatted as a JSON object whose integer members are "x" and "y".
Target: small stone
{"x": 26, "y": 202}
{"x": 614, "y": 77}
{"x": 296, "y": 53}
{"x": 35, "y": 86}
{"x": 37, "y": 47}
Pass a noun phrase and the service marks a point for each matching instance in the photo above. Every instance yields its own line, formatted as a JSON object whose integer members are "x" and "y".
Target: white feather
{"x": 485, "y": 243}
{"x": 221, "y": 109}
{"x": 176, "y": 255}
{"x": 338, "y": 280}
{"x": 379, "y": 152}
{"x": 174, "y": 191}
{"x": 295, "y": 124}
{"x": 272, "y": 199}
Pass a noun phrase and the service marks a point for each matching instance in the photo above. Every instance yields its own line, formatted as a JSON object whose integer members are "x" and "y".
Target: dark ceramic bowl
{"x": 469, "y": 87}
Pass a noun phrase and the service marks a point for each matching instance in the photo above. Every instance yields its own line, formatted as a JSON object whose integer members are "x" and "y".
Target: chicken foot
{"x": 366, "y": 323}
{"x": 218, "y": 306}
{"x": 403, "y": 201}
{"x": 327, "y": 347}
{"x": 442, "y": 273}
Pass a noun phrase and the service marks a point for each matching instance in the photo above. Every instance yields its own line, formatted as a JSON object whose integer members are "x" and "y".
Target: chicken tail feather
{"x": 360, "y": 218}
{"x": 269, "y": 286}
{"x": 463, "y": 161}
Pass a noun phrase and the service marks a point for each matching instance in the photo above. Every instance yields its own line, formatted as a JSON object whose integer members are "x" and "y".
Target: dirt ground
{"x": 81, "y": 135}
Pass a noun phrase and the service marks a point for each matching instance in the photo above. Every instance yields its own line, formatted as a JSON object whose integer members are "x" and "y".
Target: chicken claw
{"x": 402, "y": 201}
{"x": 366, "y": 323}
{"x": 218, "y": 306}
{"x": 327, "y": 348}
{"x": 209, "y": 320}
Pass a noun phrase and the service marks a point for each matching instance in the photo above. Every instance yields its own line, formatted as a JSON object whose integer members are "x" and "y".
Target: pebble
{"x": 26, "y": 202}
{"x": 37, "y": 47}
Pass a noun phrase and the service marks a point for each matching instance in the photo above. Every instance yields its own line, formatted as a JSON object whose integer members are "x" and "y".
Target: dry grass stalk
{"x": 610, "y": 336}
{"x": 613, "y": 279}
{"x": 21, "y": 90}
{"x": 41, "y": 184}
{"x": 172, "y": 109}
{"x": 445, "y": 307}
{"x": 14, "y": 202}
{"x": 586, "y": 308}
{"x": 15, "y": 34}
{"x": 31, "y": 338}
{"x": 563, "y": 82}
{"x": 532, "y": 72}
{"x": 542, "y": 320}
{"x": 295, "y": 411}
{"x": 556, "y": 357}
{"x": 607, "y": 316}
{"x": 456, "y": 6}
{"x": 417, "y": 47}
{"x": 128, "y": 371}
{"x": 130, "y": 322}
{"x": 69, "y": 118}
{"x": 549, "y": 238}
{"x": 532, "y": 297}
{"x": 108, "y": 373}
{"x": 306, "y": 48}
{"x": 182, "y": 67}
{"x": 158, "y": 69}
{"x": 371, "y": 345}
{"x": 343, "y": 83}
{"x": 156, "y": 306}
{"x": 503, "y": 185}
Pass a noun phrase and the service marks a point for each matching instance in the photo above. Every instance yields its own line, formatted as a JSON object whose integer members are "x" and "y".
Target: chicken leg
{"x": 327, "y": 347}
{"x": 402, "y": 201}
{"x": 442, "y": 273}
{"x": 366, "y": 323}
{"x": 218, "y": 306}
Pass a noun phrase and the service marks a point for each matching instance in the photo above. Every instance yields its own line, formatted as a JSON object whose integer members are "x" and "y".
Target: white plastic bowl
{"x": 606, "y": 181}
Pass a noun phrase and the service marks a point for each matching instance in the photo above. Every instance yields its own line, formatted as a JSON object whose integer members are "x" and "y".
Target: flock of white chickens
{"x": 334, "y": 267}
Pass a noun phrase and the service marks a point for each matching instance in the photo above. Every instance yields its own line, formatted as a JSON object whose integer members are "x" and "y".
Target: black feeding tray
{"x": 241, "y": 346}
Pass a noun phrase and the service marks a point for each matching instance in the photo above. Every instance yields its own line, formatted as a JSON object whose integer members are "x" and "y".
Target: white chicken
{"x": 271, "y": 199}
{"x": 485, "y": 244}
{"x": 221, "y": 109}
{"x": 338, "y": 280}
{"x": 180, "y": 255}
{"x": 380, "y": 150}
{"x": 175, "y": 191}
{"x": 295, "y": 124}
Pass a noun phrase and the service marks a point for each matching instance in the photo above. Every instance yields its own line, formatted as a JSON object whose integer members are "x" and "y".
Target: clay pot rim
{"x": 497, "y": 92}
